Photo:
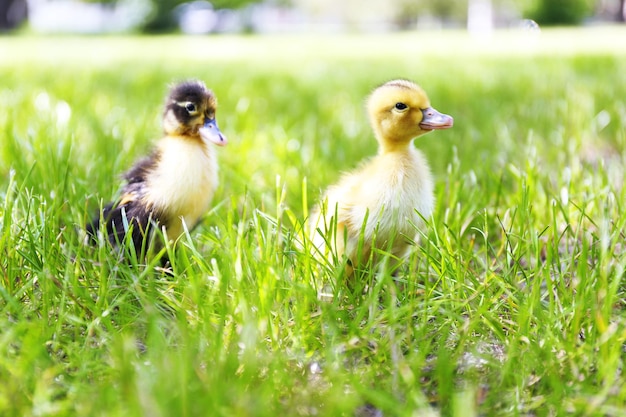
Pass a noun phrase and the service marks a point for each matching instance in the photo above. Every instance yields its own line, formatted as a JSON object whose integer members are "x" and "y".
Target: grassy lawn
{"x": 512, "y": 304}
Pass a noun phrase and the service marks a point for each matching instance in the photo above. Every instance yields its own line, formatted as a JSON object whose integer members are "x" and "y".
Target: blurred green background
{"x": 202, "y": 16}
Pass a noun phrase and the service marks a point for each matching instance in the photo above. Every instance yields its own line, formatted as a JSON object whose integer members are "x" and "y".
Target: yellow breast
{"x": 389, "y": 189}
{"x": 183, "y": 183}
{"x": 381, "y": 199}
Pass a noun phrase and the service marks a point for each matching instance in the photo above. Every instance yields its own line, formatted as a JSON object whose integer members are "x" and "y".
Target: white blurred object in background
{"x": 196, "y": 18}
{"x": 479, "y": 17}
{"x": 72, "y": 16}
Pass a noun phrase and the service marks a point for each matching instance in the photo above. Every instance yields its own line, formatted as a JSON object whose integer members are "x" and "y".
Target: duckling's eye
{"x": 401, "y": 106}
{"x": 190, "y": 107}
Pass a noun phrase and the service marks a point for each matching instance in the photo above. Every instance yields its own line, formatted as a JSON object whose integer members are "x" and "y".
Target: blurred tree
{"x": 408, "y": 11}
{"x": 12, "y": 13}
{"x": 232, "y": 4}
{"x": 162, "y": 18}
{"x": 562, "y": 12}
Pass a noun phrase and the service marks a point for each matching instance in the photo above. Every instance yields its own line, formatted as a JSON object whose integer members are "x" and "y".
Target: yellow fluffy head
{"x": 399, "y": 111}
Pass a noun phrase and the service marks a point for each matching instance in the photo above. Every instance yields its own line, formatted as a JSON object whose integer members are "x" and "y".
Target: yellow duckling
{"x": 380, "y": 204}
{"x": 175, "y": 184}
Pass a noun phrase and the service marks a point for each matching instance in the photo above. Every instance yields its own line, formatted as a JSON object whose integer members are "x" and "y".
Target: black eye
{"x": 401, "y": 106}
{"x": 190, "y": 107}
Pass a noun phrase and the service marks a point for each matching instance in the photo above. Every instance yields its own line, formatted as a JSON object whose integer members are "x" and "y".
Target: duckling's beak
{"x": 432, "y": 119}
{"x": 211, "y": 133}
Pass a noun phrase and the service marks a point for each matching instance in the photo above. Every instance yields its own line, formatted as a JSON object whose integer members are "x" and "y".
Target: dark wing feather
{"x": 118, "y": 219}
{"x": 139, "y": 172}
{"x": 129, "y": 213}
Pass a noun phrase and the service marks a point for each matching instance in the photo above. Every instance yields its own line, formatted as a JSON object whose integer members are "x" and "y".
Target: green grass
{"x": 512, "y": 304}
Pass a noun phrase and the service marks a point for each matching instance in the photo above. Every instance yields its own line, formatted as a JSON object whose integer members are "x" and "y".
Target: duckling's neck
{"x": 185, "y": 136}
{"x": 391, "y": 146}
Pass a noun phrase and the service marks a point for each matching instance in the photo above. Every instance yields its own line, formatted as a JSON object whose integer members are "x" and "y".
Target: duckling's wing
{"x": 129, "y": 212}
{"x": 139, "y": 172}
{"x": 128, "y": 215}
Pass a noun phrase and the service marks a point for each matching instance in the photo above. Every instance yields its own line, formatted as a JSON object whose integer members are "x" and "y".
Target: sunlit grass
{"x": 512, "y": 304}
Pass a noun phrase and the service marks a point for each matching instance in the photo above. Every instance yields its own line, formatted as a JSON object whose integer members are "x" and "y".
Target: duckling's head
{"x": 399, "y": 111}
{"x": 190, "y": 112}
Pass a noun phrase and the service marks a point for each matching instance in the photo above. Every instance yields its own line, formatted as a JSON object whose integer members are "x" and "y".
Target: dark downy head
{"x": 190, "y": 111}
